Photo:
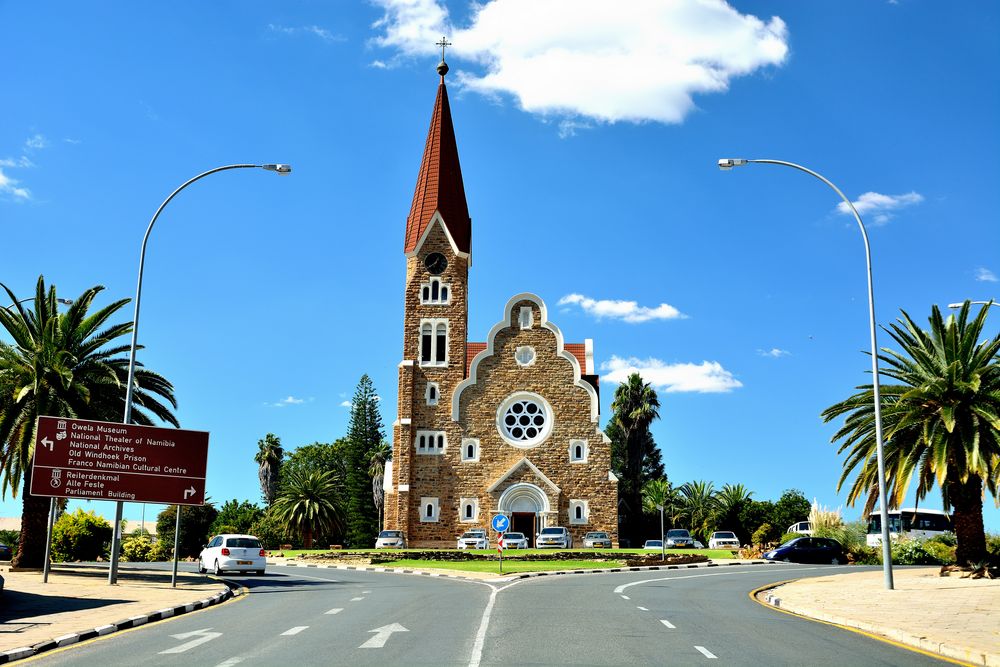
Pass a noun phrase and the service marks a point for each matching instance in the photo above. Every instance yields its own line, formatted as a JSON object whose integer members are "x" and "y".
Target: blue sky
{"x": 588, "y": 141}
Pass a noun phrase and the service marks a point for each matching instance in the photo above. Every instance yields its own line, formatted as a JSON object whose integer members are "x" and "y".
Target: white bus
{"x": 910, "y": 522}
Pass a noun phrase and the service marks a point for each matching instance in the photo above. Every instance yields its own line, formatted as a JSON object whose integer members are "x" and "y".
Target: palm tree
{"x": 63, "y": 365}
{"x": 269, "y": 456}
{"x": 308, "y": 505}
{"x": 377, "y": 459}
{"x": 941, "y": 423}
{"x": 635, "y": 406}
{"x": 733, "y": 498}
{"x": 699, "y": 507}
{"x": 661, "y": 492}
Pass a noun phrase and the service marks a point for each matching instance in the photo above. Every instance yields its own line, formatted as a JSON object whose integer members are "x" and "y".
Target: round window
{"x": 524, "y": 420}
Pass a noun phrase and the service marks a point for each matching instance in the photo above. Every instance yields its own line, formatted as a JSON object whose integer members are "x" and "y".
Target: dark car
{"x": 5, "y": 552}
{"x": 809, "y": 550}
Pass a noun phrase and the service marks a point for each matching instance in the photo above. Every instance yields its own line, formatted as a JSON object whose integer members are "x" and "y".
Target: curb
{"x": 767, "y": 596}
{"x": 522, "y": 575}
{"x": 232, "y": 591}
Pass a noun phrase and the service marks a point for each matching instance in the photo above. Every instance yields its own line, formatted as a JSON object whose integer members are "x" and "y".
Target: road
{"x": 346, "y": 617}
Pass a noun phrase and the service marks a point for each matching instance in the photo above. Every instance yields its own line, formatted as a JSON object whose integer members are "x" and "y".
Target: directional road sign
{"x": 500, "y": 523}
{"x": 79, "y": 458}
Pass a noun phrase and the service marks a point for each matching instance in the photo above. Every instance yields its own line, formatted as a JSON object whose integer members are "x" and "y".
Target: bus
{"x": 910, "y": 522}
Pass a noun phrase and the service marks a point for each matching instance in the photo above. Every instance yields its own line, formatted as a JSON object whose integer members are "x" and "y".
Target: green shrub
{"x": 944, "y": 553}
{"x": 789, "y": 536}
{"x": 11, "y": 539}
{"x": 915, "y": 552}
{"x": 161, "y": 551}
{"x": 992, "y": 543}
{"x": 137, "y": 549}
{"x": 80, "y": 536}
{"x": 763, "y": 535}
{"x": 947, "y": 539}
{"x": 865, "y": 555}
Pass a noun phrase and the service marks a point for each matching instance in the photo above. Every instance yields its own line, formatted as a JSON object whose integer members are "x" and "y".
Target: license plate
{"x": 244, "y": 562}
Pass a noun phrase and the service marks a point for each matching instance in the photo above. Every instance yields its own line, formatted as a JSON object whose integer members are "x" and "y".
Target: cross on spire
{"x": 443, "y": 43}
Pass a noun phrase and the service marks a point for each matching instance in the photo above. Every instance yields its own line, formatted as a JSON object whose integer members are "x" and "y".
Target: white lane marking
{"x": 365, "y": 592}
{"x": 382, "y": 635}
{"x": 230, "y": 662}
{"x": 624, "y": 597}
{"x": 335, "y": 611}
{"x": 623, "y": 587}
{"x": 202, "y": 636}
{"x": 294, "y": 631}
{"x": 705, "y": 652}
{"x": 668, "y": 624}
{"x": 356, "y": 599}
{"x": 477, "y": 647}
{"x": 642, "y": 608}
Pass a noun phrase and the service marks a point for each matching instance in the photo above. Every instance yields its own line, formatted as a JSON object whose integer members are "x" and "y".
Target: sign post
{"x": 500, "y": 524}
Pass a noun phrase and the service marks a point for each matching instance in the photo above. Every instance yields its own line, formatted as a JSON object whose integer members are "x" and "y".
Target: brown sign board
{"x": 93, "y": 460}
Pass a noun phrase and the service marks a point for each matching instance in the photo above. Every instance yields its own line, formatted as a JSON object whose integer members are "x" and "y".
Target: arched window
{"x": 440, "y": 441}
{"x": 441, "y": 349}
{"x": 431, "y": 442}
{"x": 432, "y": 393}
{"x": 426, "y": 332}
{"x": 578, "y": 450}
{"x": 430, "y": 510}
{"x": 435, "y": 287}
{"x": 422, "y": 443}
{"x": 468, "y": 510}
{"x": 579, "y": 512}
{"x": 444, "y": 292}
{"x": 434, "y": 292}
{"x": 426, "y": 293}
{"x": 470, "y": 451}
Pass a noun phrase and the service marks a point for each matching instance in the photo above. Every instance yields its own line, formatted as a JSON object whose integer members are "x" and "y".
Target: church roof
{"x": 439, "y": 183}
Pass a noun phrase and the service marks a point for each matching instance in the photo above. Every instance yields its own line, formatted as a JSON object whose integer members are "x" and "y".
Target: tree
{"x": 68, "y": 364}
{"x": 733, "y": 499}
{"x": 755, "y": 514}
{"x": 661, "y": 492}
{"x": 235, "y": 517}
{"x": 635, "y": 407}
{"x": 196, "y": 525}
{"x": 791, "y": 507}
{"x": 699, "y": 507}
{"x": 377, "y": 459}
{"x": 363, "y": 435}
{"x": 80, "y": 536}
{"x": 307, "y": 505}
{"x": 269, "y": 457}
{"x": 941, "y": 422}
{"x": 322, "y": 457}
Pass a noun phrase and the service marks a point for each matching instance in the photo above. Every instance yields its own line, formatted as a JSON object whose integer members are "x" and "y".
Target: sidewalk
{"x": 77, "y": 603}
{"x": 950, "y": 616}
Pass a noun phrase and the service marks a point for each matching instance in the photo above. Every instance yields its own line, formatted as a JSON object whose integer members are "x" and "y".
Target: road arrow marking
{"x": 189, "y": 492}
{"x": 48, "y": 444}
{"x": 202, "y": 635}
{"x": 382, "y": 635}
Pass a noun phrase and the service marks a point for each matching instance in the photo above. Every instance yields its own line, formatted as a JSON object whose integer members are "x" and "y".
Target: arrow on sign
{"x": 48, "y": 444}
{"x": 202, "y": 635}
{"x": 189, "y": 492}
{"x": 382, "y": 635}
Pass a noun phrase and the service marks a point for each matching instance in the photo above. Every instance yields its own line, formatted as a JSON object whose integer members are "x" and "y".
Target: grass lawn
{"x": 508, "y": 565}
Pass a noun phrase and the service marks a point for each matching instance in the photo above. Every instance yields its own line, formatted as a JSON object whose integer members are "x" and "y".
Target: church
{"x": 510, "y": 425}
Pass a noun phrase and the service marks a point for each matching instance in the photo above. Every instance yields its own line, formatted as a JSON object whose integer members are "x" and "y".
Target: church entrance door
{"x": 524, "y": 522}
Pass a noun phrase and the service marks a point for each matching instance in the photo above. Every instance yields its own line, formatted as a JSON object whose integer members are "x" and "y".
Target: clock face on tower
{"x": 435, "y": 263}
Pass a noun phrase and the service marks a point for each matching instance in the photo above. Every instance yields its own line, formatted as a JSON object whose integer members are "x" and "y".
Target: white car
{"x": 239, "y": 553}
{"x": 390, "y": 539}
{"x": 554, "y": 536}
{"x": 514, "y": 541}
{"x": 474, "y": 539}
{"x": 723, "y": 539}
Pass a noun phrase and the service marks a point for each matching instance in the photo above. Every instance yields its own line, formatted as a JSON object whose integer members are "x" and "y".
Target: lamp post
{"x": 663, "y": 542}
{"x": 726, "y": 164}
{"x": 281, "y": 169}
{"x": 979, "y": 303}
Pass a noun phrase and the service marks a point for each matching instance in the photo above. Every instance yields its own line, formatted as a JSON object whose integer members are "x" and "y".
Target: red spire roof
{"x": 439, "y": 184}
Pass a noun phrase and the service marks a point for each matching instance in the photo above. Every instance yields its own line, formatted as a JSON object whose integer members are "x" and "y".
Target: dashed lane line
{"x": 235, "y": 660}
{"x": 705, "y": 652}
{"x": 294, "y": 631}
{"x": 642, "y": 609}
{"x": 334, "y": 611}
{"x": 357, "y": 599}
{"x": 668, "y": 624}
{"x": 625, "y": 597}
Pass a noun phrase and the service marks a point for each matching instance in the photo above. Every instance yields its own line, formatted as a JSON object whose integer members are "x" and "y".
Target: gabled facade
{"x": 507, "y": 426}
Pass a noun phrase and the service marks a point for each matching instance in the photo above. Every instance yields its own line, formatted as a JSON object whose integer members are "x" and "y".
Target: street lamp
{"x": 726, "y": 164}
{"x": 65, "y": 302}
{"x": 980, "y": 303}
{"x": 281, "y": 169}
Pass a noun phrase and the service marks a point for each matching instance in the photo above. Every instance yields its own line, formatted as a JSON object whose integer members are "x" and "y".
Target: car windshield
{"x": 471, "y": 536}
{"x": 552, "y": 531}
{"x": 515, "y": 536}
{"x": 677, "y": 532}
{"x": 793, "y": 541}
{"x": 244, "y": 542}
{"x": 390, "y": 533}
{"x": 725, "y": 536}
{"x": 598, "y": 536}
{"x": 654, "y": 543}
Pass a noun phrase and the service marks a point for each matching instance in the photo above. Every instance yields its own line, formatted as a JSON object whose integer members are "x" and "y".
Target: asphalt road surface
{"x": 318, "y": 616}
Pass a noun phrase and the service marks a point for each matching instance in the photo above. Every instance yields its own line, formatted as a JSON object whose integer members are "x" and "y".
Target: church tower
{"x": 437, "y": 249}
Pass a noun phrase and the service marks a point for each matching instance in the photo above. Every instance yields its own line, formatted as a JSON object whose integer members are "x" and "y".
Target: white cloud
{"x": 638, "y": 61}
{"x": 288, "y": 400}
{"x": 629, "y": 311}
{"x": 314, "y": 30}
{"x": 346, "y": 404}
{"x": 36, "y": 142}
{"x": 9, "y": 188}
{"x": 880, "y": 205}
{"x": 985, "y": 275}
{"x": 774, "y": 352}
{"x": 708, "y": 377}
{"x": 17, "y": 163}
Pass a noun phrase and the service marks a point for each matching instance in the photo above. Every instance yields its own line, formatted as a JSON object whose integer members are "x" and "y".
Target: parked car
{"x": 241, "y": 553}
{"x": 554, "y": 536}
{"x": 5, "y": 552}
{"x": 390, "y": 539}
{"x": 809, "y": 550}
{"x": 653, "y": 544}
{"x": 514, "y": 541}
{"x": 678, "y": 538}
{"x": 474, "y": 539}
{"x": 698, "y": 545}
{"x": 801, "y": 527}
{"x": 723, "y": 539}
{"x": 596, "y": 540}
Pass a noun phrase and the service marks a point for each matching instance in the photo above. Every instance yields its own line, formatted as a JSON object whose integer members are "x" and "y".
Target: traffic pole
{"x": 500, "y": 551}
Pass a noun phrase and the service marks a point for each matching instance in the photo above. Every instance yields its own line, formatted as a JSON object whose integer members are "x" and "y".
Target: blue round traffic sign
{"x": 500, "y": 523}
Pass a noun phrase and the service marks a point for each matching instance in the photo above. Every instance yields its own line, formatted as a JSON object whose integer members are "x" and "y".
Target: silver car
{"x": 514, "y": 541}
{"x": 473, "y": 539}
{"x": 554, "y": 537}
{"x": 596, "y": 540}
{"x": 390, "y": 539}
{"x": 678, "y": 538}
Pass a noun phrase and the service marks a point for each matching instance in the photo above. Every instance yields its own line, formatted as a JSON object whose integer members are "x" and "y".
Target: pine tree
{"x": 363, "y": 435}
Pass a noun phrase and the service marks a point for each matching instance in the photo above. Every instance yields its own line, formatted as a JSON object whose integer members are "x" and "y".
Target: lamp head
{"x": 727, "y": 163}
{"x": 282, "y": 169}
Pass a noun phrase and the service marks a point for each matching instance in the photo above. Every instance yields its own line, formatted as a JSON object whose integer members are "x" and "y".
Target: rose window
{"x": 524, "y": 420}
